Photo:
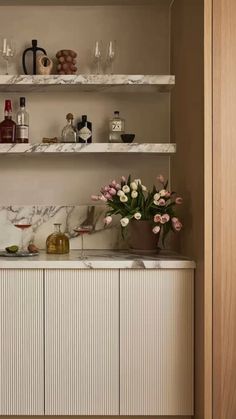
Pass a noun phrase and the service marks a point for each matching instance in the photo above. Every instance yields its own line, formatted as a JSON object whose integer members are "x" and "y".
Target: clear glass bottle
{"x": 116, "y": 128}
{"x": 58, "y": 242}
{"x": 69, "y": 132}
{"x": 22, "y": 123}
{"x": 8, "y": 126}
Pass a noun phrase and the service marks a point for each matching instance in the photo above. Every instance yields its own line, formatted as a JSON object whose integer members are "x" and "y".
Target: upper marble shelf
{"x": 151, "y": 148}
{"x": 115, "y": 83}
{"x": 79, "y": 2}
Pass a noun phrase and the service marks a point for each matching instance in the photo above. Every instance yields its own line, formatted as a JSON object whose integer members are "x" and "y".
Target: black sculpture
{"x": 34, "y": 50}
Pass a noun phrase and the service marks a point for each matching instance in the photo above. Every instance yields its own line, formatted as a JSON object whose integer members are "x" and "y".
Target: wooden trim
{"x": 208, "y": 197}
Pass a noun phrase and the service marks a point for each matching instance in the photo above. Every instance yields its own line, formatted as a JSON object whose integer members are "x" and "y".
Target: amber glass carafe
{"x": 57, "y": 243}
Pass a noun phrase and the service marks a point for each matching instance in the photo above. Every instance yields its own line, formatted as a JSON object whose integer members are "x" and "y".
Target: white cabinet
{"x": 21, "y": 342}
{"x": 156, "y": 342}
{"x": 81, "y": 342}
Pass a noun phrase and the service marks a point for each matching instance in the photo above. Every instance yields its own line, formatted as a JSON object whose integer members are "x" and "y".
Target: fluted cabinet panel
{"x": 21, "y": 342}
{"x": 156, "y": 342}
{"x": 82, "y": 342}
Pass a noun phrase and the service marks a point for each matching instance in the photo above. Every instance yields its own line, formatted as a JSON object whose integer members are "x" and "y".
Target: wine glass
{"x": 98, "y": 55}
{"x": 7, "y": 49}
{"x": 23, "y": 225}
{"x": 111, "y": 54}
{"x": 81, "y": 230}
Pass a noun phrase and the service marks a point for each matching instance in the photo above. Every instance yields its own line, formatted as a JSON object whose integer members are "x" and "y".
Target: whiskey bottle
{"x": 69, "y": 134}
{"x": 22, "y": 123}
{"x": 57, "y": 242}
{"x": 85, "y": 130}
{"x": 7, "y": 126}
{"x": 116, "y": 128}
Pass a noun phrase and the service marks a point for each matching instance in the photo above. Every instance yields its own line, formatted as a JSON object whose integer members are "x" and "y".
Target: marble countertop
{"x": 99, "y": 259}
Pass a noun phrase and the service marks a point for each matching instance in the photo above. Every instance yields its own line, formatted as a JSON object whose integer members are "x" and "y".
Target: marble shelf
{"x": 148, "y": 148}
{"x": 115, "y": 83}
{"x": 99, "y": 259}
{"x": 78, "y": 2}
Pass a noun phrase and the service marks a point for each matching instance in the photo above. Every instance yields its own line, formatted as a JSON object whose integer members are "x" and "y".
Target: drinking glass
{"x": 23, "y": 225}
{"x": 111, "y": 55}
{"x": 81, "y": 230}
{"x": 97, "y": 55}
{"x": 7, "y": 50}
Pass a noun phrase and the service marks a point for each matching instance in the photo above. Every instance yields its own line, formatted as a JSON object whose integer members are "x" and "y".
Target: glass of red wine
{"x": 23, "y": 225}
{"x": 82, "y": 230}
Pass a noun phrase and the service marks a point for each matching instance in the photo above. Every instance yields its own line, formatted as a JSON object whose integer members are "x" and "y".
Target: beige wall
{"x": 142, "y": 35}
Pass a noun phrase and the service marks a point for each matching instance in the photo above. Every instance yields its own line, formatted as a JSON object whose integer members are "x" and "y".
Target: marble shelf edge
{"x": 151, "y": 148}
{"x": 87, "y": 82}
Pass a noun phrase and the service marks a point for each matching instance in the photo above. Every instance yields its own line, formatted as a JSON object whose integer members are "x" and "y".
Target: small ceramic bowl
{"x": 128, "y": 138}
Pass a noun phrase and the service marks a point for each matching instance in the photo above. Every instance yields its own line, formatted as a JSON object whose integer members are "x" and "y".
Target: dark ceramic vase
{"x": 142, "y": 239}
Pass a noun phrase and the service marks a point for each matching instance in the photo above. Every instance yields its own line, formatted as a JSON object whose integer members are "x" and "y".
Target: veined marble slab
{"x": 161, "y": 148}
{"x": 87, "y": 82}
{"x": 99, "y": 260}
{"x": 42, "y": 219}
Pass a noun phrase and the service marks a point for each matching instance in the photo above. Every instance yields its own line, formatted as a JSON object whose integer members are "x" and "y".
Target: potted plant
{"x": 148, "y": 214}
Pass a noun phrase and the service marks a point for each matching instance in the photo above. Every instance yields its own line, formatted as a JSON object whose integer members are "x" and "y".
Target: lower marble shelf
{"x": 99, "y": 259}
{"x": 154, "y": 148}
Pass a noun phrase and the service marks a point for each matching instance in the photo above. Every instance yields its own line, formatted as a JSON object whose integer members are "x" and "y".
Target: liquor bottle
{"x": 22, "y": 123}
{"x": 57, "y": 242}
{"x": 116, "y": 128}
{"x": 69, "y": 134}
{"x": 7, "y": 126}
{"x": 85, "y": 130}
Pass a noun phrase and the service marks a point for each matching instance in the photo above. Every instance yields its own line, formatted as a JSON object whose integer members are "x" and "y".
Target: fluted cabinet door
{"x": 82, "y": 342}
{"x": 156, "y": 342}
{"x": 21, "y": 342}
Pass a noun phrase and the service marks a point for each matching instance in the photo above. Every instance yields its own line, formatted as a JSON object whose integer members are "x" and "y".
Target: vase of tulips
{"x": 149, "y": 214}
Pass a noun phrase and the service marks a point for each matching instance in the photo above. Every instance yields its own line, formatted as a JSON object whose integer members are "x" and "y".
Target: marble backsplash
{"x": 42, "y": 219}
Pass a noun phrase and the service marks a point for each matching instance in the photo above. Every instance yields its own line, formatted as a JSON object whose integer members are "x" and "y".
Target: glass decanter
{"x": 58, "y": 242}
{"x": 69, "y": 132}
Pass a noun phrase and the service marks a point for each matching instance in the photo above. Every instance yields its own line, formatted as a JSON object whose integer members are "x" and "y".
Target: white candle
{"x": 4, "y": 47}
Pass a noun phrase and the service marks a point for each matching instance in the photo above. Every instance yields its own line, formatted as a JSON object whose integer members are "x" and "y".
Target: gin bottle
{"x": 116, "y": 128}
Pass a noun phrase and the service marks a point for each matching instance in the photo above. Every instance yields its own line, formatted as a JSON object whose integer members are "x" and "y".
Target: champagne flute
{"x": 111, "y": 55}
{"x": 98, "y": 55}
{"x": 81, "y": 230}
{"x": 23, "y": 225}
{"x": 7, "y": 49}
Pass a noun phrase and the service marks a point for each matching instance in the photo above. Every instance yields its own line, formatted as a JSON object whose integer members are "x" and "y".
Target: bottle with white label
{"x": 85, "y": 130}
{"x": 22, "y": 123}
{"x": 116, "y": 128}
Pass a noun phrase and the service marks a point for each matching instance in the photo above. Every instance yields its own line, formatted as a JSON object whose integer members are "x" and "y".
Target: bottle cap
{"x": 8, "y": 106}
{"x": 84, "y": 117}
{"x": 117, "y": 112}
{"x": 69, "y": 116}
{"x": 22, "y": 102}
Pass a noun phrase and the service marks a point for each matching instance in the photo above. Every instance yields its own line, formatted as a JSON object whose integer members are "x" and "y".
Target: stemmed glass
{"x": 111, "y": 54}
{"x": 82, "y": 230}
{"x": 98, "y": 55}
{"x": 7, "y": 49}
{"x": 23, "y": 225}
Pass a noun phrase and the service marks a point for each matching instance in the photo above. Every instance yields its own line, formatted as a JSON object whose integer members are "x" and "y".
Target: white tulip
{"x": 156, "y": 202}
{"x": 134, "y": 186}
{"x": 124, "y": 221}
{"x": 157, "y": 197}
{"x": 144, "y": 188}
{"x": 134, "y": 194}
{"x": 123, "y": 198}
{"x": 126, "y": 189}
{"x": 120, "y": 193}
{"x": 163, "y": 192}
{"x": 138, "y": 181}
{"x": 137, "y": 216}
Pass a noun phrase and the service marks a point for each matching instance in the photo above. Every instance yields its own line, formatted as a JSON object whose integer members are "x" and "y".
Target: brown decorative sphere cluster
{"x": 66, "y": 61}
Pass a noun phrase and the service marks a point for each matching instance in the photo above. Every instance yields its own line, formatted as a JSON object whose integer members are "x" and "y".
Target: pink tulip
{"x": 165, "y": 218}
{"x": 112, "y": 192}
{"x": 95, "y": 197}
{"x": 161, "y": 202}
{"x": 107, "y": 220}
{"x": 157, "y": 218}
{"x": 113, "y": 183}
{"x": 107, "y": 196}
{"x": 177, "y": 225}
{"x": 161, "y": 179}
{"x": 156, "y": 229}
{"x": 179, "y": 200}
{"x": 167, "y": 194}
{"x": 102, "y": 198}
{"x": 118, "y": 186}
{"x": 123, "y": 178}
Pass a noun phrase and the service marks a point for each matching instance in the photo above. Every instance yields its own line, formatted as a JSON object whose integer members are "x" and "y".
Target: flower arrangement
{"x": 133, "y": 201}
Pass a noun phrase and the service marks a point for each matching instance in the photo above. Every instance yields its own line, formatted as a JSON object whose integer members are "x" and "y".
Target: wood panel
{"x": 224, "y": 226}
{"x": 21, "y": 342}
{"x": 156, "y": 342}
{"x": 81, "y": 342}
